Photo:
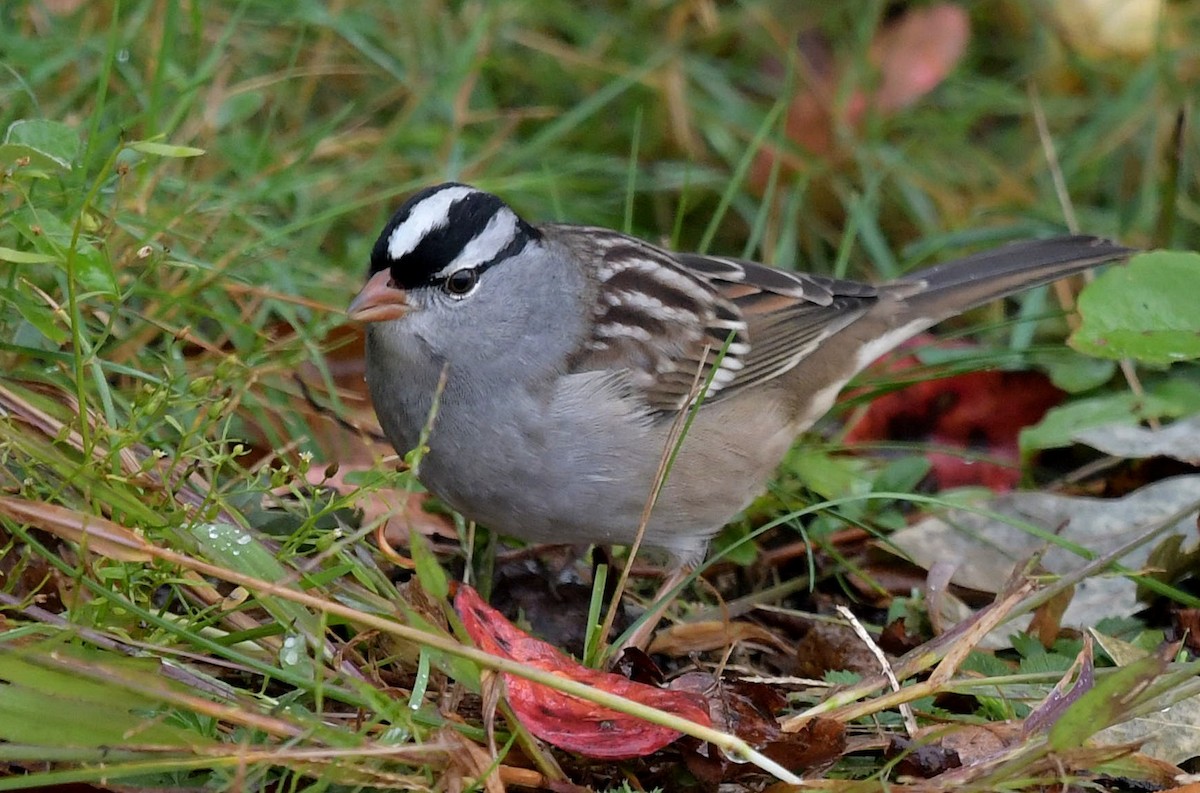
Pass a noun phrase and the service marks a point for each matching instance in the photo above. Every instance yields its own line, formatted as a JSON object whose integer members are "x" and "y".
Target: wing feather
{"x": 667, "y": 317}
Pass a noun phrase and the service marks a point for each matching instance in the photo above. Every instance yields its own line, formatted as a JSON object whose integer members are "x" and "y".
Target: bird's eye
{"x": 461, "y": 282}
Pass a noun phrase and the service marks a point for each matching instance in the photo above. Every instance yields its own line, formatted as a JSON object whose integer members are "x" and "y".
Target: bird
{"x": 544, "y": 366}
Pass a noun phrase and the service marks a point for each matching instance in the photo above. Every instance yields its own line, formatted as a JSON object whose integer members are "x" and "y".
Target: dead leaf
{"x": 748, "y": 709}
{"x": 1046, "y": 623}
{"x": 743, "y": 708}
{"x": 469, "y": 765}
{"x": 912, "y": 55}
{"x": 830, "y": 646}
{"x": 1187, "y": 625}
{"x": 916, "y": 52}
{"x": 99, "y": 535}
{"x": 895, "y": 639}
{"x": 694, "y": 637}
{"x": 1180, "y": 440}
{"x": 987, "y": 549}
{"x": 921, "y": 760}
{"x": 1171, "y": 734}
{"x": 531, "y": 591}
{"x": 973, "y": 743}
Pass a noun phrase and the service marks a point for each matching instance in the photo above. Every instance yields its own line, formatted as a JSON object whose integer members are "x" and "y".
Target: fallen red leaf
{"x": 567, "y": 721}
{"x": 980, "y": 411}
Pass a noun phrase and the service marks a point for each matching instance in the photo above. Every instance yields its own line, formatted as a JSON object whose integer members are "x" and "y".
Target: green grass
{"x": 222, "y": 170}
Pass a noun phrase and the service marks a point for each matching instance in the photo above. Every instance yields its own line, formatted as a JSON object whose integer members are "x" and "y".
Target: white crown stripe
{"x": 497, "y": 235}
{"x": 430, "y": 214}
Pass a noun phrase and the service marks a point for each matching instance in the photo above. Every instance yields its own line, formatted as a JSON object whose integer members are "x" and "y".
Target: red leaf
{"x": 982, "y": 411}
{"x": 567, "y": 721}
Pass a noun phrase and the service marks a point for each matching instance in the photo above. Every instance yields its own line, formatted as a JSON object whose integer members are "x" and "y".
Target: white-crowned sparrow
{"x": 568, "y": 352}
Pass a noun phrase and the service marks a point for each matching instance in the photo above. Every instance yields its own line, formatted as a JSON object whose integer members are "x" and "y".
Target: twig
{"x": 906, "y": 711}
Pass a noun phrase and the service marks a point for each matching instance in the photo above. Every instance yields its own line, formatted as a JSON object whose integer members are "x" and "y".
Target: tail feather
{"x": 960, "y": 285}
{"x": 921, "y": 299}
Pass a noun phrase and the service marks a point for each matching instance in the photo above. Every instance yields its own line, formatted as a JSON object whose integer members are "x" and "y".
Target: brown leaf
{"x": 747, "y": 709}
{"x": 912, "y": 55}
{"x": 635, "y": 664}
{"x": 922, "y": 760}
{"x": 693, "y": 637}
{"x": 739, "y": 707}
{"x": 553, "y": 609}
{"x": 398, "y": 511}
{"x": 819, "y": 741}
{"x": 974, "y": 743}
{"x": 1047, "y": 618}
{"x": 98, "y": 535}
{"x": 469, "y": 764}
{"x": 895, "y": 638}
{"x": 830, "y": 646}
{"x": 1187, "y": 625}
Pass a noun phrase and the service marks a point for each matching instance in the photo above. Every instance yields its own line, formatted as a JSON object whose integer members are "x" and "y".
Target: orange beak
{"x": 379, "y": 300}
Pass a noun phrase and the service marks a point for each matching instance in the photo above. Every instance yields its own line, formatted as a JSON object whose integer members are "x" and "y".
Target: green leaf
{"x": 38, "y": 164}
{"x": 902, "y": 475}
{"x": 429, "y": 572}
{"x": 1106, "y": 704}
{"x": 52, "y": 140}
{"x": 829, "y": 476}
{"x": 729, "y": 543}
{"x": 294, "y": 657}
{"x": 1073, "y": 372}
{"x": 233, "y": 547}
{"x": 1169, "y": 399}
{"x": 1059, "y": 425}
{"x": 841, "y": 677}
{"x": 25, "y": 257}
{"x": 37, "y": 314}
{"x": 986, "y": 664}
{"x": 165, "y": 149}
{"x": 51, "y": 237}
{"x": 462, "y": 670}
{"x": 1043, "y": 663}
{"x": 239, "y": 108}
{"x": 1145, "y": 310}
{"x": 56, "y": 695}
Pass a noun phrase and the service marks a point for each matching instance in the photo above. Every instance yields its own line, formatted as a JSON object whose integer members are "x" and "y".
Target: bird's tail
{"x": 954, "y": 287}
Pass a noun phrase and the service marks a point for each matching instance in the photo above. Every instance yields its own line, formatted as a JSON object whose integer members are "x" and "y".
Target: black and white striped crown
{"x": 447, "y": 228}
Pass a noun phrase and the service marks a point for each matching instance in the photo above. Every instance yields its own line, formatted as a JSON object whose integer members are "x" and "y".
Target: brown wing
{"x": 672, "y": 320}
{"x": 787, "y": 314}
